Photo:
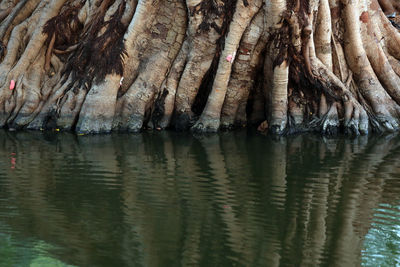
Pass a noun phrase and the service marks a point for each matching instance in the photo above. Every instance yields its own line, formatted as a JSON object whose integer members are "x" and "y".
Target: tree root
{"x": 129, "y": 65}
{"x": 330, "y": 122}
{"x": 356, "y": 119}
{"x": 210, "y": 117}
{"x": 243, "y": 74}
{"x": 171, "y": 85}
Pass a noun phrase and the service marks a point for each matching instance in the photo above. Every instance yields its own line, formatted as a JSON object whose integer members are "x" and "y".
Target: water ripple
{"x": 171, "y": 199}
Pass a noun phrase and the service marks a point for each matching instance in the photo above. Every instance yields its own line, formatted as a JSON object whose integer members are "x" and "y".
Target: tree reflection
{"x": 166, "y": 199}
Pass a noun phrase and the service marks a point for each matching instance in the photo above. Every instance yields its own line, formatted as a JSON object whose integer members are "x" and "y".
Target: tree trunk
{"x": 126, "y": 65}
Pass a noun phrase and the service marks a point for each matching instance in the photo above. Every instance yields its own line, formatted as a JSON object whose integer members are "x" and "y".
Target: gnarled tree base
{"x": 124, "y": 65}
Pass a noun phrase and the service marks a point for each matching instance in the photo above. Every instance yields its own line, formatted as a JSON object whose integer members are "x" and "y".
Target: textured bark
{"x": 126, "y": 65}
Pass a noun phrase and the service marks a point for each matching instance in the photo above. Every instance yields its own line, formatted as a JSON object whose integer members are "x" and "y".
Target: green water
{"x": 169, "y": 199}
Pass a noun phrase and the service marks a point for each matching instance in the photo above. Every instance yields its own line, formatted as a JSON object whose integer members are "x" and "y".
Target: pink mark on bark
{"x": 230, "y": 58}
{"x": 12, "y": 85}
{"x": 364, "y": 17}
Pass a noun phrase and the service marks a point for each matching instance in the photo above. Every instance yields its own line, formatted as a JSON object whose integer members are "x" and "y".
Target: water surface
{"x": 170, "y": 199}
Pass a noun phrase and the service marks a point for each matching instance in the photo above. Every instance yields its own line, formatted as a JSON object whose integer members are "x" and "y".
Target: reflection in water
{"x": 168, "y": 199}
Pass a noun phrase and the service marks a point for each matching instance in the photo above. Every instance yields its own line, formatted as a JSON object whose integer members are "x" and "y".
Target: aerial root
{"x": 49, "y": 52}
{"x": 166, "y": 67}
{"x": 27, "y": 98}
{"x": 378, "y": 59}
{"x": 392, "y": 36}
{"x": 171, "y": 83}
{"x": 139, "y": 106}
{"x": 394, "y": 63}
{"x": 70, "y": 107}
{"x": 203, "y": 34}
{"x": 244, "y": 70}
{"x": 45, "y": 115}
{"x": 355, "y": 118}
{"x": 209, "y": 120}
{"x": 9, "y": 19}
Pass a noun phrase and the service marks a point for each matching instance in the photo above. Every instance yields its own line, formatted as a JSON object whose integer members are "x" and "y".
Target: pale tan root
{"x": 8, "y": 62}
{"x": 17, "y": 15}
{"x": 139, "y": 99}
{"x": 387, "y": 6}
{"x": 210, "y": 117}
{"x": 395, "y": 64}
{"x": 203, "y": 46}
{"x": 16, "y": 45}
{"x": 5, "y": 12}
{"x": 29, "y": 55}
{"x": 368, "y": 84}
{"x": 16, "y": 40}
{"x": 70, "y": 106}
{"x": 130, "y": 11}
{"x": 331, "y": 123}
{"x": 340, "y": 68}
{"x": 34, "y": 104}
{"x": 135, "y": 39}
{"x": 56, "y": 65}
{"x": 171, "y": 84}
{"x": 133, "y": 106}
{"x": 94, "y": 119}
{"x": 98, "y": 108}
{"x": 27, "y": 98}
{"x": 392, "y": 35}
{"x": 111, "y": 10}
{"x": 276, "y": 78}
{"x": 356, "y": 118}
{"x": 199, "y": 61}
{"x": 330, "y": 119}
{"x": 323, "y": 34}
{"x": 51, "y": 94}
{"x": 158, "y": 83}
{"x": 323, "y": 106}
{"x": 243, "y": 74}
{"x": 49, "y": 52}
{"x": 279, "y": 97}
{"x": 322, "y": 41}
{"x": 378, "y": 59}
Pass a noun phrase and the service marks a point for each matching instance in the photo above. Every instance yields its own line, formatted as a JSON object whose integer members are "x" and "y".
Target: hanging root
{"x": 243, "y": 74}
{"x": 369, "y": 86}
{"x": 208, "y": 21}
{"x": 170, "y": 87}
{"x": 210, "y": 117}
{"x": 134, "y": 108}
{"x": 17, "y": 64}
